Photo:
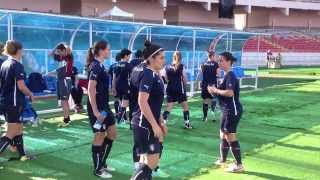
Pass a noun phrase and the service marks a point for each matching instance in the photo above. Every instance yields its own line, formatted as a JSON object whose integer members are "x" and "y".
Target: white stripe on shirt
{"x": 15, "y": 93}
{"x": 235, "y": 107}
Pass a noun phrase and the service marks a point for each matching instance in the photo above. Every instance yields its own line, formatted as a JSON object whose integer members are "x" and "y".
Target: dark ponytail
{"x": 138, "y": 54}
{"x": 118, "y": 57}
{"x": 94, "y": 51}
{"x": 125, "y": 52}
{"x": 151, "y": 50}
{"x": 90, "y": 57}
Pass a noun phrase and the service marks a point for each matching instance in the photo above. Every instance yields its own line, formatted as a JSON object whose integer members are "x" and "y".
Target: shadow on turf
{"x": 266, "y": 176}
{"x": 309, "y": 148}
{"x": 53, "y": 166}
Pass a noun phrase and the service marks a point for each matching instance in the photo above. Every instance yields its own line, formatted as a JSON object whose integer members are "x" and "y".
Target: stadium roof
{"x": 65, "y": 22}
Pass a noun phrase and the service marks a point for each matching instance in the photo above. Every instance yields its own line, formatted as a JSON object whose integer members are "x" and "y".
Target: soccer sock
{"x": 135, "y": 157}
{"x": 165, "y": 115}
{"x": 76, "y": 95}
{"x": 224, "y": 150}
{"x": 130, "y": 114}
{"x": 80, "y": 95}
{"x": 160, "y": 154}
{"x": 125, "y": 116}
{"x": 18, "y": 141}
{"x": 12, "y": 143}
{"x": 161, "y": 149}
{"x": 205, "y": 110}
{"x": 107, "y": 145}
{"x": 235, "y": 149}
{"x": 213, "y": 104}
{"x": 121, "y": 113}
{"x": 66, "y": 119}
{"x": 142, "y": 173}
{"x": 97, "y": 155}
{"x": 116, "y": 106}
{"x": 186, "y": 116}
{"x": 4, "y": 143}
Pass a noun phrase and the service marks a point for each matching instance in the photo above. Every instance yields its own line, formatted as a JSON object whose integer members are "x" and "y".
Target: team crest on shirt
{"x": 152, "y": 148}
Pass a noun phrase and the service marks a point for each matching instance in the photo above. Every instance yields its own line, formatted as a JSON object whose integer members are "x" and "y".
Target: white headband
{"x": 160, "y": 49}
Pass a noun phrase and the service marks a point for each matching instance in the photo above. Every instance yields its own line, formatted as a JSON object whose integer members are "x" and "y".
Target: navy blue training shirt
{"x": 135, "y": 78}
{"x": 110, "y": 72}
{"x": 11, "y": 71}
{"x": 175, "y": 79}
{"x": 152, "y": 84}
{"x": 97, "y": 72}
{"x": 230, "y": 82}
{"x": 209, "y": 73}
{"x": 135, "y": 62}
{"x": 121, "y": 73}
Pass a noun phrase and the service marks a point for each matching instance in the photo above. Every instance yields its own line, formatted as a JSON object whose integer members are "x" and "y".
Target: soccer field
{"x": 279, "y": 135}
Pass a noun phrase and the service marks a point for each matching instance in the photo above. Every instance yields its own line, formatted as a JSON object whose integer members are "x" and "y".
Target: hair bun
{"x": 234, "y": 59}
{"x": 147, "y": 43}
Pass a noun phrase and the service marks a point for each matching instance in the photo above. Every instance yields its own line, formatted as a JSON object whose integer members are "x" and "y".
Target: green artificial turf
{"x": 279, "y": 135}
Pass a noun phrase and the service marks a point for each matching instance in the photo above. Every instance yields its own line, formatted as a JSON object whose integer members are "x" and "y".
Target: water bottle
{"x": 98, "y": 124}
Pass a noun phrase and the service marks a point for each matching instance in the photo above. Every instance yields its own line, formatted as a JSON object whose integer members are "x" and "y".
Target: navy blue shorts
{"x": 145, "y": 141}
{"x": 229, "y": 121}
{"x": 174, "y": 97}
{"x": 205, "y": 94}
{"x": 12, "y": 114}
{"x": 123, "y": 94}
{"x": 109, "y": 121}
{"x": 64, "y": 88}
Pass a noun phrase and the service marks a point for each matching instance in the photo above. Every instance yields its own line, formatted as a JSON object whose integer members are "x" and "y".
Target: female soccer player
{"x": 12, "y": 97}
{"x": 176, "y": 90}
{"x": 148, "y": 126}
{"x": 136, "y": 75}
{"x": 100, "y": 116}
{"x": 63, "y": 54}
{"x": 209, "y": 72}
{"x": 228, "y": 94}
{"x": 120, "y": 83}
{"x": 76, "y": 90}
{"x": 138, "y": 59}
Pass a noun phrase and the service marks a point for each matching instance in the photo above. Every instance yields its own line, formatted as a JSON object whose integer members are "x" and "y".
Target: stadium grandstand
{"x": 273, "y": 48}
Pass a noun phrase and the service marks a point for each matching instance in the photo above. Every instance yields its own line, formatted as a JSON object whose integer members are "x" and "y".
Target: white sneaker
{"x": 220, "y": 163}
{"x": 187, "y": 126}
{"x": 159, "y": 173}
{"x": 103, "y": 174}
{"x": 109, "y": 169}
{"x": 235, "y": 168}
